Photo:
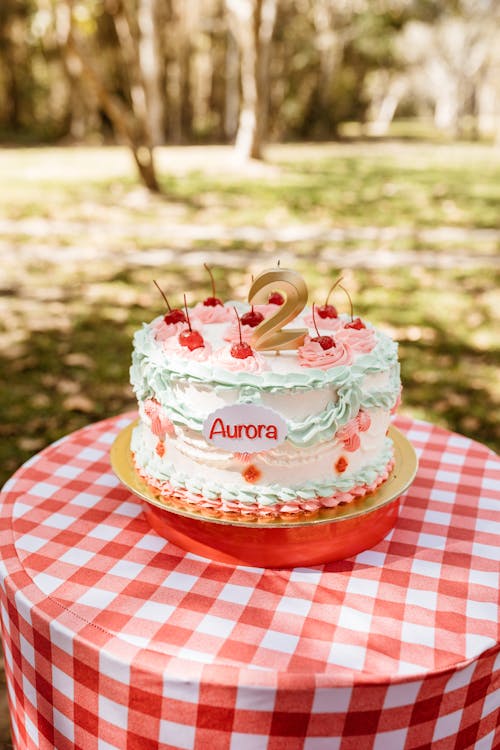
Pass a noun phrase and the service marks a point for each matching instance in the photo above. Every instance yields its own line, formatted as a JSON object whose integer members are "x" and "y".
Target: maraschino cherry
{"x": 325, "y": 342}
{"x": 326, "y": 310}
{"x": 188, "y": 337}
{"x": 275, "y": 298}
{"x": 212, "y": 301}
{"x": 356, "y": 323}
{"x": 252, "y": 318}
{"x": 173, "y": 316}
{"x": 241, "y": 350}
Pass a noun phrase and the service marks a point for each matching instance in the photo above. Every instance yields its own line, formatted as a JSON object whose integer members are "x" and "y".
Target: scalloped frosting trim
{"x": 291, "y": 507}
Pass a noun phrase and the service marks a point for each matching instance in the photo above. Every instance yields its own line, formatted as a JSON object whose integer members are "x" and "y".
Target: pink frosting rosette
{"x": 266, "y": 310}
{"x": 348, "y": 435}
{"x": 160, "y": 423}
{"x": 232, "y": 334}
{"x": 254, "y": 363}
{"x": 361, "y": 341}
{"x": 329, "y": 324}
{"x": 172, "y": 346}
{"x": 311, "y": 354}
{"x": 163, "y": 331}
{"x": 364, "y": 421}
{"x": 209, "y": 314}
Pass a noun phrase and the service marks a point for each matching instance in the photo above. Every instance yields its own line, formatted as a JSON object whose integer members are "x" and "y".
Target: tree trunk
{"x": 12, "y": 99}
{"x": 179, "y": 69}
{"x": 76, "y": 105}
{"x": 128, "y": 33}
{"x": 13, "y": 58}
{"x": 248, "y": 142}
{"x": 384, "y": 103}
{"x": 143, "y": 157}
{"x": 151, "y": 68}
{"x": 232, "y": 88}
{"x": 330, "y": 23}
{"x": 265, "y": 34}
{"x": 252, "y": 22}
{"x": 130, "y": 128}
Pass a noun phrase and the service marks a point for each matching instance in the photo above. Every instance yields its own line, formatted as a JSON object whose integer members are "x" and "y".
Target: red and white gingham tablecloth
{"x": 115, "y": 639}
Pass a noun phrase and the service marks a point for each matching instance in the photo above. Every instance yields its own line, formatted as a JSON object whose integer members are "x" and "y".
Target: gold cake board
{"x": 328, "y": 534}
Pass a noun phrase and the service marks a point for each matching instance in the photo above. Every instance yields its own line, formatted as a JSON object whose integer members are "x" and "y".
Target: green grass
{"x": 352, "y": 191}
{"x": 387, "y": 184}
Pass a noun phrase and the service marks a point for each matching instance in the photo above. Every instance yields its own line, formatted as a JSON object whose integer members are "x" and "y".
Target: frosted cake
{"x": 310, "y": 427}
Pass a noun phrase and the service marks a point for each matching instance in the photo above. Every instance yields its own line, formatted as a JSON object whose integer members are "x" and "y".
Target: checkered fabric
{"x": 115, "y": 639}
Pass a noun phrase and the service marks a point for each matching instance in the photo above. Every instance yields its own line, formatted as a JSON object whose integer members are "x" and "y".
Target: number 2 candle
{"x": 270, "y": 334}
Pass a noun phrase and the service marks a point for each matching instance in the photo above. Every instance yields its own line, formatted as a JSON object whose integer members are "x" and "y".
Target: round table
{"x": 115, "y": 639}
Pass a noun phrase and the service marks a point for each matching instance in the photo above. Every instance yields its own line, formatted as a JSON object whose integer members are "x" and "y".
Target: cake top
{"x": 273, "y": 341}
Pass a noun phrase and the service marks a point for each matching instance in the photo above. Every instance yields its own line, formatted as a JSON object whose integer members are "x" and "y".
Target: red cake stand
{"x": 329, "y": 534}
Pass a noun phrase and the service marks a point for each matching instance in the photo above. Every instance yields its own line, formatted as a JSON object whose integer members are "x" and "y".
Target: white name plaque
{"x": 245, "y": 428}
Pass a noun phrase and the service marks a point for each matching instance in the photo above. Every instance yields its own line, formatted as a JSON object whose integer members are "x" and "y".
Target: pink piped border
{"x": 217, "y": 507}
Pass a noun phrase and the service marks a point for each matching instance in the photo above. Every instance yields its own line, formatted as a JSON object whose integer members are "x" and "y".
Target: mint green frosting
{"x": 383, "y": 398}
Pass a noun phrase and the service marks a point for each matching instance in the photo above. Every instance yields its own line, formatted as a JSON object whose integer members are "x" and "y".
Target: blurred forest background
{"x": 140, "y": 139}
{"x": 152, "y": 72}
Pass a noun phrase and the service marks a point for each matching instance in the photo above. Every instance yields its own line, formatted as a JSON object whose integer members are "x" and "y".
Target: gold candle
{"x": 270, "y": 334}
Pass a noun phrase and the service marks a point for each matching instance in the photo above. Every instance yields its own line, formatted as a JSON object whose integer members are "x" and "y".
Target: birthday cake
{"x": 241, "y": 414}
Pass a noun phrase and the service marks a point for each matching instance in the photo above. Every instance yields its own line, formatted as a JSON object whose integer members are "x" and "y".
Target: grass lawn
{"x": 413, "y": 227}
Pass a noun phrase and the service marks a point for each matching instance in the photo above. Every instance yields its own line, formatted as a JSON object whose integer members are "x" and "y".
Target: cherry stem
{"x": 314, "y": 320}
{"x": 333, "y": 287}
{"x": 252, "y": 283}
{"x": 162, "y": 294}
{"x": 239, "y": 323}
{"x": 211, "y": 279}
{"x": 350, "y": 301}
{"x": 187, "y": 314}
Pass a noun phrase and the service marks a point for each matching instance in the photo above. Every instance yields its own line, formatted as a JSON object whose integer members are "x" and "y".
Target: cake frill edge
{"x": 185, "y": 500}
